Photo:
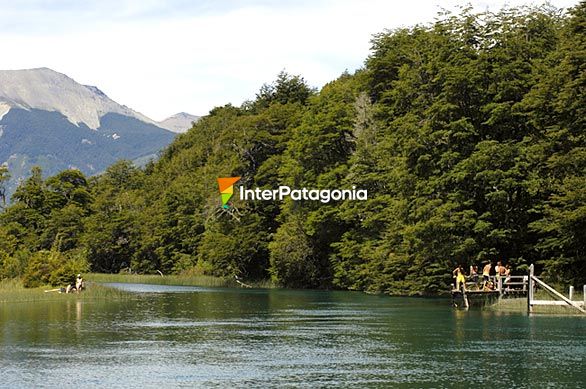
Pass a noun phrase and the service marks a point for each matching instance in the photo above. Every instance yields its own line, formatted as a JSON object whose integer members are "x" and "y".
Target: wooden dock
{"x": 472, "y": 293}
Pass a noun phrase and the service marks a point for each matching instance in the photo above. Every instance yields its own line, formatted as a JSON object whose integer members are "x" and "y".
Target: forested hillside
{"x": 469, "y": 135}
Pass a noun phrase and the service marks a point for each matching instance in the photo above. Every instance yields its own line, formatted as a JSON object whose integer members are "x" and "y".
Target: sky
{"x": 161, "y": 57}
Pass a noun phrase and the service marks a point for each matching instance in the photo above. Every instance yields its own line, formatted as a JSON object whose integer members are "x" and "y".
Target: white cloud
{"x": 160, "y": 60}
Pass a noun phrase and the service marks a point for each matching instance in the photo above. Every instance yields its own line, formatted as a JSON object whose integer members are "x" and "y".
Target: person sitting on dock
{"x": 488, "y": 286}
{"x": 460, "y": 278}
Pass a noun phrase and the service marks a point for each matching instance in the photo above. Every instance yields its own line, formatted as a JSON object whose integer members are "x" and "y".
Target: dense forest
{"x": 468, "y": 133}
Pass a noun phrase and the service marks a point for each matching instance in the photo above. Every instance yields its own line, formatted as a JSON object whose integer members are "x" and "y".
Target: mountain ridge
{"x": 46, "y": 89}
{"x": 49, "y": 119}
{"x": 180, "y": 122}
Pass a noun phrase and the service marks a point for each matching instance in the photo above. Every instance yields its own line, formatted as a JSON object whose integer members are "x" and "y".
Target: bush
{"x": 53, "y": 268}
{"x": 38, "y": 269}
{"x": 13, "y": 266}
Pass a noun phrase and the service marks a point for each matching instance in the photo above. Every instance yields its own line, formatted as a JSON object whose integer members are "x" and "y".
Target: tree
{"x": 285, "y": 89}
{"x": 4, "y": 177}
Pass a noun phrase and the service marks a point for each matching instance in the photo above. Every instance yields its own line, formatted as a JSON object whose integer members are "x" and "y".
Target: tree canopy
{"x": 469, "y": 135}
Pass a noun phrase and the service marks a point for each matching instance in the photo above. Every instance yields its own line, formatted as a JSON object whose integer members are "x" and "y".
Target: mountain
{"x": 48, "y": 90}
{"x": 48, "y": 119}
{"x": 179, "y": 123}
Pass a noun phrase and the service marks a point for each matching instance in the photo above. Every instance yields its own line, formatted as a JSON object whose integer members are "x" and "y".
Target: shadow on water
{"x": 192, "y": 336}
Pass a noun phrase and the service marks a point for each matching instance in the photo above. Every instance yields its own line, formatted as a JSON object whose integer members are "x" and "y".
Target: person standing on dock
{"x": 460, "y": 278}
{"x": 486, "y": 273}
{"x": 497, "y": 272}
{"x": 473, "y": 276}
{"x": 507, "y": 274}
{"x": 474, "y": 273}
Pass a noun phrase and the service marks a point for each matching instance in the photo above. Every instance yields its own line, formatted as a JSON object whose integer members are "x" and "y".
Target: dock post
{"x": 571, "y": 294}
{"x": 465, "y": 297}
{"x": 530, "y": 290}
{"x": 584, "y": 295}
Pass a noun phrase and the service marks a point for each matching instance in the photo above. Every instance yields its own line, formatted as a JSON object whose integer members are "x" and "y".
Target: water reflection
{"x": 231, "y": 337}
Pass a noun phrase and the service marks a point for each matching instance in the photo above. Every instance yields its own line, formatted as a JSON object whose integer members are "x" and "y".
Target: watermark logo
{"x": 226, "y": 185}
{"x": 321, "y": 195}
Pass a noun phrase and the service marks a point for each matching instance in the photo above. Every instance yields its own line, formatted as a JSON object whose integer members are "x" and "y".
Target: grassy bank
{"x": 12, "y": 291}
{"x": 520, "y": 305}
{"x": 183, "y": 280}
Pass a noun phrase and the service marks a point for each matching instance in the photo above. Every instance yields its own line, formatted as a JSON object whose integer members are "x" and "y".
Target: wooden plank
{"x": 475, "y": 292}
{"x": 556, "y": 293}
{"x": 530, "y": 290}
{"x": 555, "y": 302}
{"x": 549, "y": 302}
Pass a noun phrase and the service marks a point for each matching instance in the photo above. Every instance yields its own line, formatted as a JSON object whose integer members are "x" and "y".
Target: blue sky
{"x": 161, "y": 57}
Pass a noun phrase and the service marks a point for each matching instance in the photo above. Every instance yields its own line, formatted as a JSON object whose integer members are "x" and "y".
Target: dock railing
{"x": 561, "y": 300}
{"x": 504, "y": 286}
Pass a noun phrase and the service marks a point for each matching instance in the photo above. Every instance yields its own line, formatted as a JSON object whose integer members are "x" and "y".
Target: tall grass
{"x": 160, "y": 280}
{"x": 12, "y": 291}
{"x": 182, "y": 280}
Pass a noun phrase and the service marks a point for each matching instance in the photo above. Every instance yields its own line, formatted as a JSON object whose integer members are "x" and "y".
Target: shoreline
{"x": 176, "y": 279}
{"x": 12, "y": 291}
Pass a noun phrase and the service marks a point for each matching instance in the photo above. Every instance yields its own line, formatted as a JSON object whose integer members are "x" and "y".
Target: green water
{"x": 201, "y": 337}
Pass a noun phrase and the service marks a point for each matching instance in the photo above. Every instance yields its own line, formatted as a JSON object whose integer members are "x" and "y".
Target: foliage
{"x": 467, "y": 133}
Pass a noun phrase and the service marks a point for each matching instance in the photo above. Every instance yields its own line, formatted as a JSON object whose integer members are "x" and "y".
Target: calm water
{"x": 190, "y": 337}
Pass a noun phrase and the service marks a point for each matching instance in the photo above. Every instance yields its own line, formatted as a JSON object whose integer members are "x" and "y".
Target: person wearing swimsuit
{"x": 460, "y": 278}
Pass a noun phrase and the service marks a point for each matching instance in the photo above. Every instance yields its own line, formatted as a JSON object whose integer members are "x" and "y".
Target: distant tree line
{"x": 469, "y": 135}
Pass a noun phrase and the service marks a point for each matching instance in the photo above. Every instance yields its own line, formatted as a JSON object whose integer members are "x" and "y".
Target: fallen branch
{"x": 242, "y": 284}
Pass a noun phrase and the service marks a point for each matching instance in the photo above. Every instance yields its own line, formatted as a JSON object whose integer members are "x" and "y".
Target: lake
{"x": 167, "y": 336}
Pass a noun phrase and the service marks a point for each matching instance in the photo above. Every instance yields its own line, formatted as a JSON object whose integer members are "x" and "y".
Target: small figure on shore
{"x": 460, "y": 278}
{"x": 79, "y": 283}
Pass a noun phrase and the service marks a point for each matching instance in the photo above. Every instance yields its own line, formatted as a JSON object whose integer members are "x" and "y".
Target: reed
{"x": 183, "y": 280}
{"x": 175, "y": 279}
{"x": 263, "y": 284}
{"x": 12, "y": 291}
